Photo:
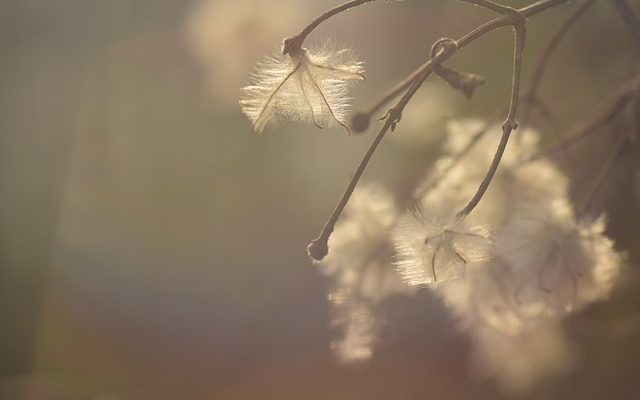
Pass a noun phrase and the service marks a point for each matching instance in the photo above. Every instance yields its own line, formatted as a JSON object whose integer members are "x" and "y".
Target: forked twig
{"x": 318, "y": 248}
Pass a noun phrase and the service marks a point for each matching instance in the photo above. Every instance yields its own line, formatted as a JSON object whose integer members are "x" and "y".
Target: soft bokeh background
{"x": 153, "y": 247}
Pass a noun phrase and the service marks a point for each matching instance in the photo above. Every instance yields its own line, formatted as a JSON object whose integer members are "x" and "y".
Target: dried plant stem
{"x": 539, "y": 6}
{"x": 545, "y": 112}
{"x": 599, "y": 117}
{"x": 541, "y": 66}
{"x": 436, "y": 179}
{"x": 361, "y": 119}
{"x": 493, "y": 6}
{"x": 603, "y": 173}
{"x": 318, "y": 248}
{"x": 294, "y": 43}
{"x": 509, "y": 125}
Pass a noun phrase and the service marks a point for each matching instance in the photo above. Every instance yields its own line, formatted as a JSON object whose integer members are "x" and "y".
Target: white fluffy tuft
{"x": 359, "y": 265}
{"x": 311, "y": 87}
{"x": 433, "y": 249}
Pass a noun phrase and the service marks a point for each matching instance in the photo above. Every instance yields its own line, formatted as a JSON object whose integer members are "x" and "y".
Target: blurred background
{"x": 153, "y": 247}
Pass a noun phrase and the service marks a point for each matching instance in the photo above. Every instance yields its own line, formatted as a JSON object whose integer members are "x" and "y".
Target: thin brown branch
{"x": 434, "y": 180}
{"x": 620, "y": 105}
{"x": 599, "y": 117}
{"x": 360, "y": 120}
{"x": 555, "y": 40}
{"x": 294, "y": 43}
{"x": 605, "y": 170}
{"x": 553, "y": 43}
{"x": 493, "y": 6}
{"x": 318, "y": 248}
{"x": 509, "y": 125}
{"x": 539, "y": 6}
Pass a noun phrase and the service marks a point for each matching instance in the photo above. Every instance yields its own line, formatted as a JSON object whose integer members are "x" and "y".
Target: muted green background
{"x": 153, "y": 247}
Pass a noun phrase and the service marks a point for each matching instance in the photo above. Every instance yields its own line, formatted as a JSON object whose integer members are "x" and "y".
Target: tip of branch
{"x": 318, "y": 249}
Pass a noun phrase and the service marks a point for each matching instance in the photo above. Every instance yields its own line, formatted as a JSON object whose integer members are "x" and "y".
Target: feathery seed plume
{"x": 309, "y": 86}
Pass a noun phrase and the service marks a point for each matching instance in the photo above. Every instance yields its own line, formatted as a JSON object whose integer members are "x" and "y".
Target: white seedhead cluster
{"x": 509, "y": 280}
{"x": 491, "y": 230}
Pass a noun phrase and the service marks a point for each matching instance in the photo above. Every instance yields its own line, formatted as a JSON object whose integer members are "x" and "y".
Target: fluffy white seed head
{"x": 432, "y": 248}
{"x": 515, "y": 349}
{"x": 544, "y": 265}
{"x": 359, "y": 265}
{"x": 557, "y": 265}
{"x": 360, "y": 247}
{"x": 485, "y": 298}
{"x": 309, "y": 86}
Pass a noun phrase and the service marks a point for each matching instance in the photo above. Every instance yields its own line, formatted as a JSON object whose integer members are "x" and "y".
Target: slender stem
{"x": 362, "y": 118}
{"x": 552, "y": 44}
{"x": 484, "y": 185}
{"x": 601, "y": 115}
{"x": 318, "y": 248}
{"x": 557, "y": 37}
{"x": 607, "y": 167}
{"x": 520, "y": 34}
{"x": 545, "y": 112}
{"x": 435, "y": 179}
{"x": 493, "y": 6}
{"x": 539, "y": 6}
{"x": 618, "y": 146}
{"x": 632, "y": 125}
{"x": 294, "y": 43}
{"x": 564, "y": 144}
{"x": 509, "y": 125}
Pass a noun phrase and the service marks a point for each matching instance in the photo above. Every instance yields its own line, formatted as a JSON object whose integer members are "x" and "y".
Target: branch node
{"x": 510, "y": 124}
{"x": 444, "y": 44}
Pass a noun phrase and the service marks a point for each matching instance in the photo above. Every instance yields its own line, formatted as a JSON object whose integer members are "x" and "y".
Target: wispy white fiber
{"x": 558, "y": 265}
{"x": 359, "y": 265}
{"x": 434, "y": 248}
{"x": 545, "y": 262}
{"x": 310, "y": 86}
